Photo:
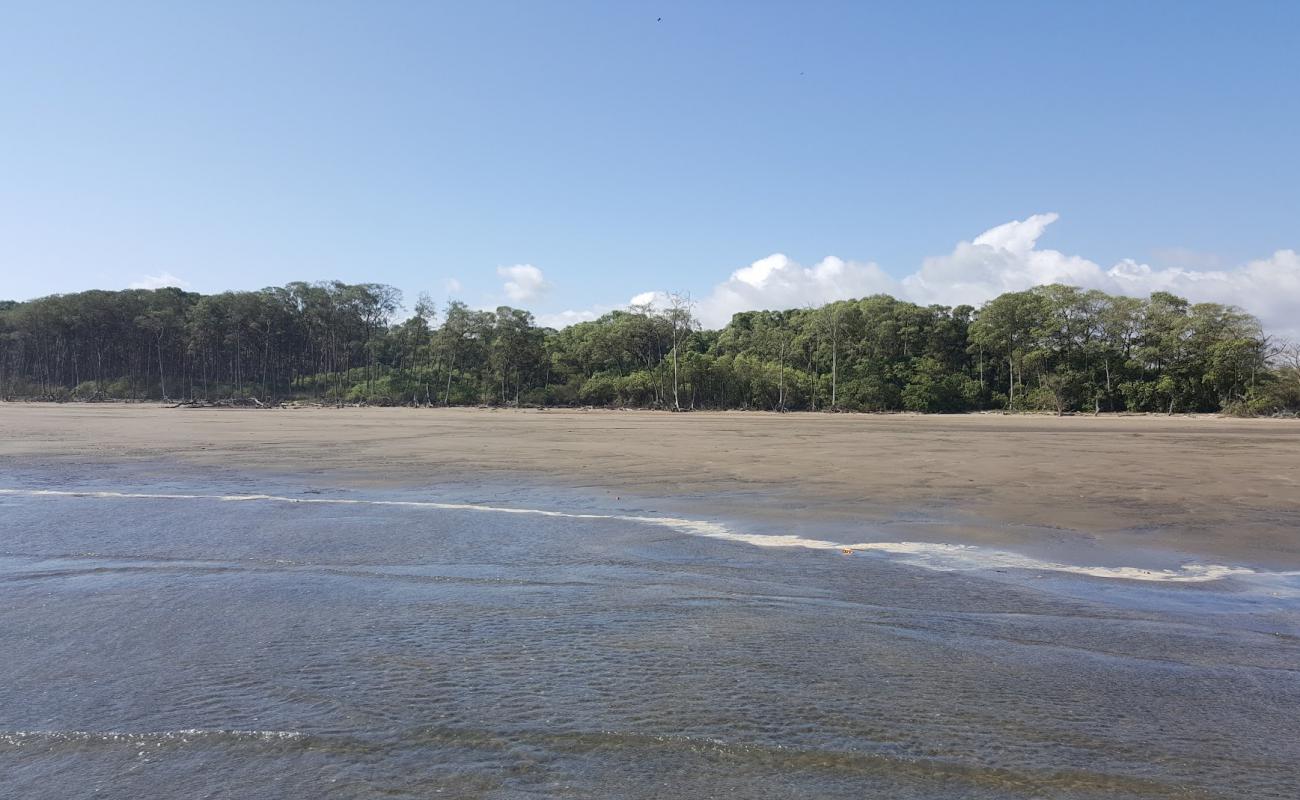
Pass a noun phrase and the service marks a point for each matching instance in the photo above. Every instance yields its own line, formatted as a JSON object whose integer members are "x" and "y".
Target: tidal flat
{"x": 415, "y": 603}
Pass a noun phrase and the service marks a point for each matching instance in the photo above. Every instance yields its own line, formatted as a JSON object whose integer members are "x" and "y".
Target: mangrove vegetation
{"x": 1056, "y": 348}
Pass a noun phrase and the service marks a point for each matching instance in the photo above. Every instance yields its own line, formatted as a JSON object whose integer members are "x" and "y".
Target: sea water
{"x": 195, "y": 636}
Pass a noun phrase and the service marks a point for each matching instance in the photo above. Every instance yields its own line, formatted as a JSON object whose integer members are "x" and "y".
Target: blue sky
{"x": 620, "y": 148}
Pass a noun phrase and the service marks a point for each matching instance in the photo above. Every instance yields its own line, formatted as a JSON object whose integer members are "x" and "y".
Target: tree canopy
{"x": 1054, "y": 347}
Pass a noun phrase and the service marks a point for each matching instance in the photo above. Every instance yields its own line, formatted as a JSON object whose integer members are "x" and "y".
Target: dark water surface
{"x": 184, "y": 648}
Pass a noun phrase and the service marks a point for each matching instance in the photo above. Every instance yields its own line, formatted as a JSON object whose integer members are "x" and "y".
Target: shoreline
{"x": 1220, "y": 489}
{"x": 253, "y": 404}
{"x": 935, "y": 557}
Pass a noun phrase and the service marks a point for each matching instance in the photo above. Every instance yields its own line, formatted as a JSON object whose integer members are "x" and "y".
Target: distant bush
{"x": 1279, "y": 395}
{"x": 599, "y": 390}
{"x": 120, "y": 389}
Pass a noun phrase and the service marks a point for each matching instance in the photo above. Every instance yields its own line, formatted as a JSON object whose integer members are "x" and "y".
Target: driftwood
{"x": 228, "y": 402}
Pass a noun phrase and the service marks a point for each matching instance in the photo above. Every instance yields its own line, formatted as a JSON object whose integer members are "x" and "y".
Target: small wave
{"x": 22, "y": 738}
{"x": 928, "y": 555}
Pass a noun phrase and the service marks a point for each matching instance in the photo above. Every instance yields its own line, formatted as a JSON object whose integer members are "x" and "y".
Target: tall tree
{"x": 680, "y": 318}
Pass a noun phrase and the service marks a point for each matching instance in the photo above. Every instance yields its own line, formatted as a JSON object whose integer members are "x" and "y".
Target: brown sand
{"x": 1226, "y": 489}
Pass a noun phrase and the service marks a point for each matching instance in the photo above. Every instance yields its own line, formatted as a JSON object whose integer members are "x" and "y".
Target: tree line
{"x": 1057, "y": 348}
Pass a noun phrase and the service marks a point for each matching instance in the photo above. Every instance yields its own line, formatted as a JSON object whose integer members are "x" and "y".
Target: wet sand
{"x": 1226, "y": 490}
{"x": 358, "y": 603}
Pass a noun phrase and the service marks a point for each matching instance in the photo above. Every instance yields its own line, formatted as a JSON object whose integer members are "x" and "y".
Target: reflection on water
{"x": 210, "y": 648}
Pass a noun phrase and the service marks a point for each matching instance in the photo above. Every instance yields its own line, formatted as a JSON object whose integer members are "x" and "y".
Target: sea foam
{"x": 928, "y": 555}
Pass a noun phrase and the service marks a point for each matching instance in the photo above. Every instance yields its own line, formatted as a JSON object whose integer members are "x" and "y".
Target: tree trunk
{"x": 677, "y": 406}
{"x": 162, "y": 382}
{"x": 451, "y": 370}
{"x": 1109, "y": 402}
{"x": 835, "y": 352}
{"x": 781, "y": 381}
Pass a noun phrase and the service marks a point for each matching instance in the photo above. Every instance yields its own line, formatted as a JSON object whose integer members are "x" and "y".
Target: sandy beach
{"x": 363, "y": 603}
{"x": 1223, "y": 489}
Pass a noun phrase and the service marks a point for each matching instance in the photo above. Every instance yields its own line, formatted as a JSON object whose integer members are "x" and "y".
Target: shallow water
{"x": 194, "y": 646}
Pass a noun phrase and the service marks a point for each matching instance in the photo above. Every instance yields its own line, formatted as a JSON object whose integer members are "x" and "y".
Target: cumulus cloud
{"x": 1269, "y": 287}
{"x": 523, "y": 282}
{"x": 159, "y": 281}
{"x": 563, "y": 319}
{"x": 1008, "y": 258}
{"x": 778, "y": 282}
{"x": 1002, "y": 259}
{"x": 1005, "y": 258}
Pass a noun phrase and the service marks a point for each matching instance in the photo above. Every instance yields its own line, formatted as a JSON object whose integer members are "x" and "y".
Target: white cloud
{"x": 159, "y": 281}
{"x": 1269, "y": 287}
{"x": 452, "y": 286}
{"x": 778, "y": 282}
{"x": 1007, "y": 258}
{"x": 1002, "y": 259}
{"x": 523, "y": 282}
{"x": 564, "y": 319}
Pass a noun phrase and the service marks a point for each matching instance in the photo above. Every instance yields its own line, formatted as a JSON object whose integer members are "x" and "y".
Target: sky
{"x": 569, "y": 157}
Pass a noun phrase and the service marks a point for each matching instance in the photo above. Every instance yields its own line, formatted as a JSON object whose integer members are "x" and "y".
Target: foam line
{"x": 929, "y": 555}
{"x": 20, "y": 738}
